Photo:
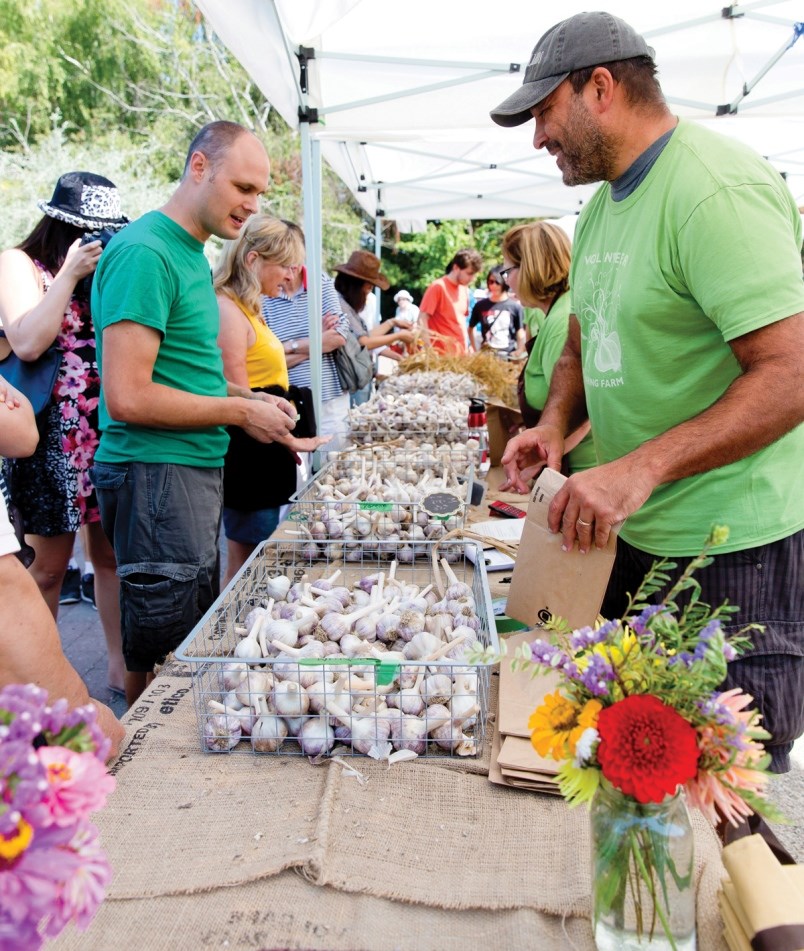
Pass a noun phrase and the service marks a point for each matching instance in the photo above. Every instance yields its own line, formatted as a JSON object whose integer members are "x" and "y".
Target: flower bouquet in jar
{"x": 52, "y": 776}
{"x": 639, "y": 725}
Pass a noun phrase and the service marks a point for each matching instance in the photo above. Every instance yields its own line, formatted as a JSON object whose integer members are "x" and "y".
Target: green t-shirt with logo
{"x": 155, "y": 273}
{"x": 543, "y": 357}
{"x": 706, "y": 249}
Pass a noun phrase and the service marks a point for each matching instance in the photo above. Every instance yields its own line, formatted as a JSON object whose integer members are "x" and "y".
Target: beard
{"x": 588, "y": 153}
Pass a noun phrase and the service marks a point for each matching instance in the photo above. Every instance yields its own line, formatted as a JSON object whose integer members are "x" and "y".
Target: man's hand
{"x": 590, "y": 502}
{"x": 330, "y": 321}
{"x": 266, "y": 421}
{"x": 279, "y": 401}
{"x": 528, "y": 453}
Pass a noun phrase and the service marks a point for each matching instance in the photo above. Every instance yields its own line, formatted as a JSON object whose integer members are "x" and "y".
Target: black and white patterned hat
{"x": 86, "y": 201}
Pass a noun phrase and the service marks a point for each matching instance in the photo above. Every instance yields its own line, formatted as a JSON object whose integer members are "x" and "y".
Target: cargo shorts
{"x": 163, "y": 522}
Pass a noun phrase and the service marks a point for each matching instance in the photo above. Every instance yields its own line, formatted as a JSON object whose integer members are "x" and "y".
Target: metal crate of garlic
{"x": 323, "y": 657}
{"x": 436, "y": 419}
{"x": 385, "y": 503}
{"x": 434, "y": 382}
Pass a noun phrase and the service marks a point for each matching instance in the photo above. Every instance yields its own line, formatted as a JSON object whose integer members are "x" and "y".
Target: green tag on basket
{"x": 375, "y": 506}
{"x": 386, "y": 670}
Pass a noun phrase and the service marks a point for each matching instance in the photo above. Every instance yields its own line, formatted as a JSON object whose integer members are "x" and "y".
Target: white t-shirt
{"x": 8, "y": 540}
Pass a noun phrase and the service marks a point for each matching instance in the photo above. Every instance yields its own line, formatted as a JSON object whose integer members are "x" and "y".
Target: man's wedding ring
{"x": 582, "y": 522}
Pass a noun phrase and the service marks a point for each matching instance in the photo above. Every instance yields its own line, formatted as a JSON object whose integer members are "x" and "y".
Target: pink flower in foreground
{"x": 730, "y": 757}
{"x": 18, "y": 935}
{"x": 78, "y": 784}
{"x": 29, "y": 885}
{"x": 85, "y": 889}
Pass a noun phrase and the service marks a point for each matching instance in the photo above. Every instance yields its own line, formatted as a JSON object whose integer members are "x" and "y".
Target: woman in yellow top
{"x": 258, "y": 478}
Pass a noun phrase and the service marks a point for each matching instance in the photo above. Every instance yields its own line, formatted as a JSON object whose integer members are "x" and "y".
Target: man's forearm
{"x": 164, "y": 407}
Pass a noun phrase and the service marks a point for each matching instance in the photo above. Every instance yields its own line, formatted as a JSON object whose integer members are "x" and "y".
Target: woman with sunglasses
{"x": 536, "y": 267}
{"x": 258, "y": 478}
{"x": 499, "y": 320}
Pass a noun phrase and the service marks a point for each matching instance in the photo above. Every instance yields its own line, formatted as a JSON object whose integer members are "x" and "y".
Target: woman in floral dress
{"x": 44, "y": 296}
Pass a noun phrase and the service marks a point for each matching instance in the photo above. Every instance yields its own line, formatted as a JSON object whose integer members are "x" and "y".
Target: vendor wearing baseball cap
{"x": 687, "y": 328}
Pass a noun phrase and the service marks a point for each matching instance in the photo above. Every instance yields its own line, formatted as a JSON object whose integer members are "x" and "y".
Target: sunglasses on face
{"x": 492, "y": 281}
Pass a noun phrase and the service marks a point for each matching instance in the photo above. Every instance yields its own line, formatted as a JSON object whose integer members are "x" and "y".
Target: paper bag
{"x": 503, "y": 422}
{"x": 548, "y": 582}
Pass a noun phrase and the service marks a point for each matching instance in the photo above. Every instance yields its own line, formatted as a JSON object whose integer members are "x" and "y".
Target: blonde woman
{"x": 536, "y": 263}
{"x": 258, "y": 477}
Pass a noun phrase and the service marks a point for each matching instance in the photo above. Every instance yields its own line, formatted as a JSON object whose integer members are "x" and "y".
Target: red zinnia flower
{"x": 647, "y": 749}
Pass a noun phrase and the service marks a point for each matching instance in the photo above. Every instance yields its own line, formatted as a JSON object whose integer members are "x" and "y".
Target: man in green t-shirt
{"x": 165, "y": 403}
{"x": 684, "y": 349}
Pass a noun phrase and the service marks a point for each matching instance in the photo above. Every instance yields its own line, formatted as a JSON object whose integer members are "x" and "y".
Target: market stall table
{"x": 245, "y": 851}
{"x": 237, "y": 850}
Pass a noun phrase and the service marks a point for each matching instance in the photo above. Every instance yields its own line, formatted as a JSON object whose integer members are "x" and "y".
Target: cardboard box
{"x": 548, "y": 582}
{"x": 503, "y": 422}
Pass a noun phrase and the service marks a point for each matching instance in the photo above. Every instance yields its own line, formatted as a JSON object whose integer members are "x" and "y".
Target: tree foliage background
{"x": 119, "y": 87}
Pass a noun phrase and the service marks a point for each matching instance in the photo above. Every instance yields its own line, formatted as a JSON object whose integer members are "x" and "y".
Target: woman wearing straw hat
{"x": 354, "y": 283}
{"x": 44, "y": 297}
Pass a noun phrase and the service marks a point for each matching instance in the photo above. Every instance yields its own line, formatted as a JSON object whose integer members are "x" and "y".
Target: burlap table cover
{"x": 237, "y": 850}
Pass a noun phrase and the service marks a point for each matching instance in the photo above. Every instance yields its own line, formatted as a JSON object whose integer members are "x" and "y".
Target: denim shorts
{"x": 163, "y": 522}
{"x": 767, "y": 583}
{"x": 250, "y": 528}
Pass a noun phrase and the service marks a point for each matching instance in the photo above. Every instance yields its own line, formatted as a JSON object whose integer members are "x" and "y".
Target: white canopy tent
{"x": 396, "y": 96}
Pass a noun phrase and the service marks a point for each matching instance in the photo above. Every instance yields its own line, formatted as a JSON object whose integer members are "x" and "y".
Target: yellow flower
{"x": 577, "y": 784}
{"x": 558, "y": 723}
{"x": 15, "y": 844}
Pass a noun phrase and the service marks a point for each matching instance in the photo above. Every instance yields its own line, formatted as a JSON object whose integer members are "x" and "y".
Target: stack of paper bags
{"x": 762, "y": 901}
{"x": 514, "y": 761}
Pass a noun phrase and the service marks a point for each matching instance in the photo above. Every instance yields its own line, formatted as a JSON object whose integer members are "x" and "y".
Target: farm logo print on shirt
{"x": 603, "y": 347}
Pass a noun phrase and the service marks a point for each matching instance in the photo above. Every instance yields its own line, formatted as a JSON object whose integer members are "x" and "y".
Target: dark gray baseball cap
{"x": 587, "y": 39}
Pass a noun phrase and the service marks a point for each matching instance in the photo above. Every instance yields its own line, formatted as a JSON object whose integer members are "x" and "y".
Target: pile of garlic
{"x": 369, "y": 512}
{"x": 441, "y": 418}
{"x": 405, "y": 459}
{"x": 285, "y": 683}
{"x": 437, "y": 382}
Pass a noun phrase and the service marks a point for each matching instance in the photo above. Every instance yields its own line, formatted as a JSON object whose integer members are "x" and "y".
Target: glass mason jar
{"x": 643, "y": 885}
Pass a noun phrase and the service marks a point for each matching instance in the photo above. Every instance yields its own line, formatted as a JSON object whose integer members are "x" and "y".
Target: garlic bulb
{"x": 409, "y": 733}
{"x": 231, "y": 674}
{"x": 249, "y": 648}
{"x": 256, "y": 683}
{"x": 316, "y": 736}
{"x": 291, "y": 699}
{"x": 278, "y": 587}
{"x": 436, "y": 689}
{"x": 269, "y": 732}
{"x": 245, "y": 715}
{"x": 222, "y": 732}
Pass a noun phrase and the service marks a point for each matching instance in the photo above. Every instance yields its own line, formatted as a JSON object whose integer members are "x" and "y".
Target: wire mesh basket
{"x": 384, "y": 503}
{"x": 420, "y": 416}
{"x": 385, "y": 697}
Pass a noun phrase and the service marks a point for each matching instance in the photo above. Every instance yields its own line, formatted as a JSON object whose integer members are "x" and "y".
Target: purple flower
{"x": 639, "y": 623}
{"x": 548, "y": 655}
{"x": 586, "y": 636}
{"x": 597, "y": 676}
{"x": 708, "y": 632}
{"x": 682, "y": 657}
{"x": 729, "y": 653}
